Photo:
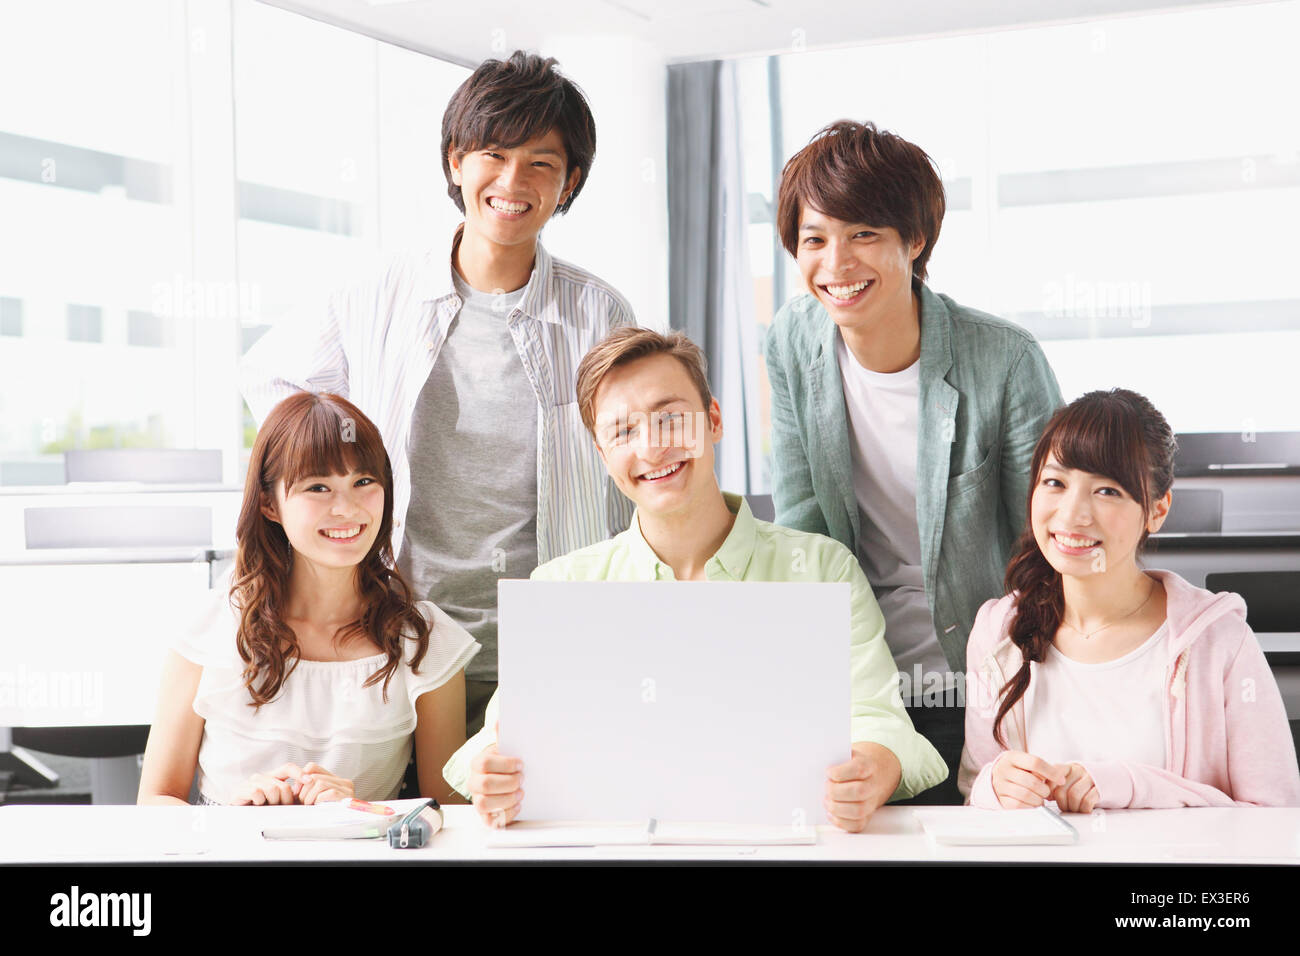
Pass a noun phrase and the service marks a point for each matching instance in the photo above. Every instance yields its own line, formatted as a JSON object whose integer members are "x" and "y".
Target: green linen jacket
{"x": 986, "y": 392}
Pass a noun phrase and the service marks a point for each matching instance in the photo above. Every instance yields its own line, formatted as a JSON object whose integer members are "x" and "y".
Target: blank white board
{"x": 678, "y": 701}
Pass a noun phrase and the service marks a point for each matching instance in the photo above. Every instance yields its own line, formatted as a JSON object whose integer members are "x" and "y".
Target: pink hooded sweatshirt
{"x": 1227, "y": 740}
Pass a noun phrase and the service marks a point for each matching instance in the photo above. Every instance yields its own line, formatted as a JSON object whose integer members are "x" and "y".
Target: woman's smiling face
{"x": 331, "y": 520}
{"x": 1086, "y": 523}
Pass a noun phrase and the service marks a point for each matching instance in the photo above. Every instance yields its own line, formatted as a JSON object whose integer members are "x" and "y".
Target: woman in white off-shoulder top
{"x": 311, "y": 673}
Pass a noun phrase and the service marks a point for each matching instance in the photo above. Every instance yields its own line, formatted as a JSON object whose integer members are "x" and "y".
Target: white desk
{"x": 125, "y": 834}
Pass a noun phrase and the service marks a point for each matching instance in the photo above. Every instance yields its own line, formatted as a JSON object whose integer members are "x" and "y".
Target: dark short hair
{"x": 627, "y": 344}
{"x": 858, "y": 173}
{"x": 508, "y": 102}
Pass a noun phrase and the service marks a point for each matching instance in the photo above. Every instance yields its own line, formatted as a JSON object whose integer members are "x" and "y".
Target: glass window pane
{"x": 93, "y": 231}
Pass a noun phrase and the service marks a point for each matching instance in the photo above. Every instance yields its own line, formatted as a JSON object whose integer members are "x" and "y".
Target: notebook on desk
{"x": 331, "y": 821}
{"x": 971, "y": 826}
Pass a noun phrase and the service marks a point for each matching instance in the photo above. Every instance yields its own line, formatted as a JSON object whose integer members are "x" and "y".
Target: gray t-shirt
{"x": 472, "y": 519}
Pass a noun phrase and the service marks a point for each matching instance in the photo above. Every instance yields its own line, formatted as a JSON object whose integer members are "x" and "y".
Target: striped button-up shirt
{"x": 376, "y": 342}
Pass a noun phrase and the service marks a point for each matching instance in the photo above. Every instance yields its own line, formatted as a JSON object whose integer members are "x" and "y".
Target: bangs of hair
{"x": 833, "y": 187}
{"x": 1103, "y": 437}
{"x": 857, "y": 173}
{"x": 327, "y": 442}
{"x": 627, "y": 344}
{"x": 511, "y": 128}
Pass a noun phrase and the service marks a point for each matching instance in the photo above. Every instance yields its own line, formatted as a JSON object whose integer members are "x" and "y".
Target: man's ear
{"x": 454, "y": 162}
{"x": 715, "y": 420}
{"x": 1159, "y": 512}
{"x": 575, "y": 177}
{"x": 601, "y": 452}
{"x": 918, "y": 245}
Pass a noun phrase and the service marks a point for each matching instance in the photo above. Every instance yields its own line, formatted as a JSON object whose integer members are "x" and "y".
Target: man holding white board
{"x": 612, "y": 685}
{"x": 645, "y": 398}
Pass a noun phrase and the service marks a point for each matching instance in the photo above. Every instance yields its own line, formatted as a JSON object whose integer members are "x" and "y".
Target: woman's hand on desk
{"x": 289, "y": 783}
{"x": 496, "y": 786}
{"x": 1078, "y": 794}
{"x": 1022, "y": 781}
{"x": 857, "y": 789}
{"x": 270, "y": 789}
{"x": 321, "y": 786}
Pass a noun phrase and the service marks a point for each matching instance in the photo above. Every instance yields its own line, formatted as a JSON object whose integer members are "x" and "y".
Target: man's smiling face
{"x": 861, "y": 273}
{"x": 655, "y": 435}
{"x": 511, "y": 193}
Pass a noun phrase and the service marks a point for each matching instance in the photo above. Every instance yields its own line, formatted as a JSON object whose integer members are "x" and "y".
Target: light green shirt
{"x": 761, "y": 551}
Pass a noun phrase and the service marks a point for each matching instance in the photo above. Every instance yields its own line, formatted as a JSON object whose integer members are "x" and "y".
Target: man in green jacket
{"x": 645, "y": 398}
{"x": 902, "y": 423}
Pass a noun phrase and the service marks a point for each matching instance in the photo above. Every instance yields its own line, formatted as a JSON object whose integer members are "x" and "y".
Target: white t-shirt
{"x": 1107, "y": 711}
{"x": 322, "y": 713}
{"x": 883, "y": 410}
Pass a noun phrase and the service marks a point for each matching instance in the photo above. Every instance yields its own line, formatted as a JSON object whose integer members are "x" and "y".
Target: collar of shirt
{"x": 730, "y": 563}
{"x": 437, "y": 284}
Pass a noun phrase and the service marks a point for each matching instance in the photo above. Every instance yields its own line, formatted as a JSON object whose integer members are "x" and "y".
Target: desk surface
{"x": 118, "y": 834}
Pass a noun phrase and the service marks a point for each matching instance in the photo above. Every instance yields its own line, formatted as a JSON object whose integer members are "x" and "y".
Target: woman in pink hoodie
{"x": 1095, "y": 683}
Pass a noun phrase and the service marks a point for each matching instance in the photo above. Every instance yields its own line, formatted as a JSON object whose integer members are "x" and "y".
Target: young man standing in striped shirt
{"x": 466, "y": 361}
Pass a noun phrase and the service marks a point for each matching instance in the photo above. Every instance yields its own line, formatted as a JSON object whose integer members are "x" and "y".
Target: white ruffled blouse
{"x": 322, "y": 713}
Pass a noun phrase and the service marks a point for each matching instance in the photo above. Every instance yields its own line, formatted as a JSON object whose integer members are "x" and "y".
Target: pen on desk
{"x": 1062, "y": 821}
{"x": 354, "y": 804}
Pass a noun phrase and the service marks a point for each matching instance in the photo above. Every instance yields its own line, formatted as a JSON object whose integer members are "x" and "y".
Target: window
{"x": 11, "y": 316}
{"x": 356, "y": 173}
{"x": 140, "y": 261}
{"x": 148, "y": 329}
{"x": 91, "y": 224}
{"x": 85, "y": 323}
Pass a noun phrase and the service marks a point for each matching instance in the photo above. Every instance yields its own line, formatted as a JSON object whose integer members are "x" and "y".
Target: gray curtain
{"x": 711, "y": 290}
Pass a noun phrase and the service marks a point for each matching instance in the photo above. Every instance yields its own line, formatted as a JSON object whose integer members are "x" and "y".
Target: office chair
{"x": 1272, "y": 597}
{"x": 1272, "y": 605}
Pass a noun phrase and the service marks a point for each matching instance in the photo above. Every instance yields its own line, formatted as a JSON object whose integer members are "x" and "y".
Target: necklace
{"x": 1150, "y": 591}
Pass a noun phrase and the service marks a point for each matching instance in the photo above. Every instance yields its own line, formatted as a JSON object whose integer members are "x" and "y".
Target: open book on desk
{"x": 541, "y": 833}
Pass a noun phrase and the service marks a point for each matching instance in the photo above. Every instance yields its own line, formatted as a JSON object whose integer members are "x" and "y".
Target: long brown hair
{"x": 1118, "y": 434}
{"x": 310, "y": 434}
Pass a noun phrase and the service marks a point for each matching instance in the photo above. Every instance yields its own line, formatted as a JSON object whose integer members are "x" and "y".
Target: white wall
{"x": 618, "y": 227}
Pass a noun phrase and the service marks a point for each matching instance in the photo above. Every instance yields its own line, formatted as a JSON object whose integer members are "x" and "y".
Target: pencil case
{"x": 417, "y": 828}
